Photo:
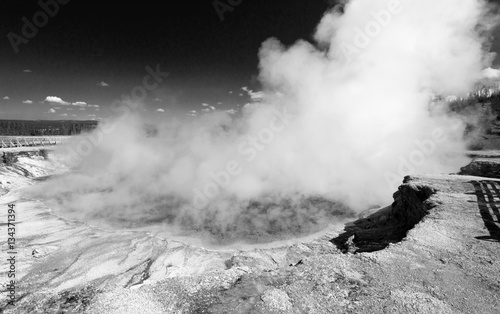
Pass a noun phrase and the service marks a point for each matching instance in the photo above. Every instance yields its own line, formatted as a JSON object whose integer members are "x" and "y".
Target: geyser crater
{"x": 269, "y": 219}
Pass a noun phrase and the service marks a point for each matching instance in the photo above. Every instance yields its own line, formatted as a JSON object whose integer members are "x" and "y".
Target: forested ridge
{"x": 45, "y": 127}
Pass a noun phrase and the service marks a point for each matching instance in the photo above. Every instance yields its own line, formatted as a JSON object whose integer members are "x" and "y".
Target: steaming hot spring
{"x": 338, "y": 124}
{"x": 142, "y": 184}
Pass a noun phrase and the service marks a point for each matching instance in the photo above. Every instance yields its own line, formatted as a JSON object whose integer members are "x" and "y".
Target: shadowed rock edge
{"x": 391, "y": 224}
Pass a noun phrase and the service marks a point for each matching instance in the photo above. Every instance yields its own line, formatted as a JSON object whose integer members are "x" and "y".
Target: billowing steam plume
{"x": 342, "y": 121}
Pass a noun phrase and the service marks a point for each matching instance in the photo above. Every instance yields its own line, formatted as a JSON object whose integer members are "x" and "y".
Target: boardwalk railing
{"x": 10, "y": 142}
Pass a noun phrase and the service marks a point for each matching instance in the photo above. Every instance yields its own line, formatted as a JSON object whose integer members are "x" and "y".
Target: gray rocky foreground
{"x": 436, "y": 249}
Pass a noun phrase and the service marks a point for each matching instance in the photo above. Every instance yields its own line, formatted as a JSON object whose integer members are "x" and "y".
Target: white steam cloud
{"x": 338, "y": 121}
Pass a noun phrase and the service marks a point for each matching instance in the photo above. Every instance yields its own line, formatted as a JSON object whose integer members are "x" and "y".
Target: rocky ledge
{"x": 9, "y": 156}
{"x": 391, "y": 224}
{"x": 483, "y": 166}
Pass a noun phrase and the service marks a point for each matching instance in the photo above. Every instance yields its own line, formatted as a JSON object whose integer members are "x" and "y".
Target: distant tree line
{"x": 480, "y": 111}
{"x": 486, "y": 95}
{"x": 44, "y": 127}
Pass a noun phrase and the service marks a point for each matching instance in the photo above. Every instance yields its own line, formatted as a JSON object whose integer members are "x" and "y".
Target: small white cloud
{"x": 491, "y": 73}
{"x": 192, "y": 111}
{"x": 231, "y": 111}
{"x": 27, "y": 101}
{"x": 158, "y": 100}
{"x": 56, "y": 100}
{"x": 230, "y": 92}
{"x": 103, "y": 84}
{"x": 220, "y": 103}
{"x": 160, "y": 110}
{"x": 6, "y": 98}
{"x": 94, "y": 106}
{"x": 51, "y": 110}
{"x": 63, "y": 115}
{"x": 208, "y": 107}
{"x": 255, "y": 96}
{"x": 82, "y": 109}
{"x": 79, "y": 104}
{"x": 27, "y": 71}
{"x": 74, "y": 115}
{"x": 97, "y": 109}
{"x": 205, "y": 110}
{"x": 241, "y": 95}
{"x": 92, "y": 116}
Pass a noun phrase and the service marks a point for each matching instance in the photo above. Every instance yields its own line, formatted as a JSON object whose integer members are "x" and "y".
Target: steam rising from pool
{"x": 337, "y": 118}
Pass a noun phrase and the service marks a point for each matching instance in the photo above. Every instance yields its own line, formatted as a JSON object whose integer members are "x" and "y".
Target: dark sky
{"x": 89, "y": 42}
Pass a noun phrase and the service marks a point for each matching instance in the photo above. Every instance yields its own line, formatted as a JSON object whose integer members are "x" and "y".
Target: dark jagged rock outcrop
{"x": 390, "y": 224}
{"x": 10, "y": 158}
{"x": 483, "y": 167}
